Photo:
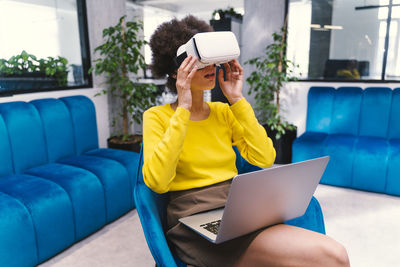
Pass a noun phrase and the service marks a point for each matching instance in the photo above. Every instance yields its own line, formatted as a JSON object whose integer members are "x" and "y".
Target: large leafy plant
{"x": 273, "y": 70}
{"x": 120, "y": 58}
{"x": 228, "y": 12}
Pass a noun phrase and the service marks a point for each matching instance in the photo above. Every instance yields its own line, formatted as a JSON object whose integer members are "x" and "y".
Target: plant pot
{"x": 283, "y": 145}
{"x": 15, "y": 83}
{"x": 133, "y": 143}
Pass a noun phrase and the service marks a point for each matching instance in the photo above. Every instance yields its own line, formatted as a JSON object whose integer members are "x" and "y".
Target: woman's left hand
{"x": 232, "y": 87}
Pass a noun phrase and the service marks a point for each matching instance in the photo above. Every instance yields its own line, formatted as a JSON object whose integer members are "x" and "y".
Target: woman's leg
{"x": 286, "y": 245}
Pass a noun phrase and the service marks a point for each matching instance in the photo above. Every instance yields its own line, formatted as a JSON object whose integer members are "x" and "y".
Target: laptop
{"x": 260, "y": 199}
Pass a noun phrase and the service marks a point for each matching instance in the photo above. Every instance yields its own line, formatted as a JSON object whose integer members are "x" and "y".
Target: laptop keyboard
{"x": 212, "y": 226}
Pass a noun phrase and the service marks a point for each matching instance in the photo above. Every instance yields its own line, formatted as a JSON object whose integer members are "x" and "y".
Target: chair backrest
{"x": 6, "y": 166}
{"x": 25, "y": 134}
{"x": 30, "y": 133}
{"x": 394, "y": 123}
{"x": 151, "y": 208}
{"x": 346, "y": 111}
{"x": 57, "y": 125}
{"x": 375, "y": 112}
{"x": 319, "y": 108}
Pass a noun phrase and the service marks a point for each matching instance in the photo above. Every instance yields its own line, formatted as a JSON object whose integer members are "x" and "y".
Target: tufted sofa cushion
{"x": 359, "y": 130}
{"x": 56, "y": 185}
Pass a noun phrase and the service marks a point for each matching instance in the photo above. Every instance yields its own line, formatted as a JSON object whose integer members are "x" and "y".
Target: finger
{"x": 190, "y": 65}
{"x": 221, "y": 77}
{"x": 192, "y": 73}
{"x": 228, "y": 71}
{"x": 185, "y": 62}
{"x": 237, "y": 66}
{"x": 236, "y": 70}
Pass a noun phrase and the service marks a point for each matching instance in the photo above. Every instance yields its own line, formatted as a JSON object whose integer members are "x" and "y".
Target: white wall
{"x": 101, "y": 14}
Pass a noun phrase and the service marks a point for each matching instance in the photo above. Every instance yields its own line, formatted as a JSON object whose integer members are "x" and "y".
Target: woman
{"x": 188, "y": 153}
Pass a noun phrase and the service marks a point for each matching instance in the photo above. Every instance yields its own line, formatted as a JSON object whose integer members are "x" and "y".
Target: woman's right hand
{"x": 184, "y": 77}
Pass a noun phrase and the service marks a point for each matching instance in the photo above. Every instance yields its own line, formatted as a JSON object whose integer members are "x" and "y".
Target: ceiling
{"x": 191, "y": 6}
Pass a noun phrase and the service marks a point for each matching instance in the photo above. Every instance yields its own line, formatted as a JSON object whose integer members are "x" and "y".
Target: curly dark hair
{"x": 166, "y": 40}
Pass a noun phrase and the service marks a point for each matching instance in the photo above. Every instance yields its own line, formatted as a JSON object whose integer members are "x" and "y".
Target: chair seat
{"x": 370, "y": 163}
{"x": 114, "y": 179}
{"x": 50, "y": 209}
{"x": 128, "y": 159}
{"x": 340, "y": 148}
{"x": 85, "y": 191}
{"x": 308, "y": 146}
{"x": 17, "y": 235}
{"x": 393, "y": 177}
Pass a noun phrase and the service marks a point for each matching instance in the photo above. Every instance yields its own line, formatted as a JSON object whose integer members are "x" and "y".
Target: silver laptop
{"x": 259, "y": 199}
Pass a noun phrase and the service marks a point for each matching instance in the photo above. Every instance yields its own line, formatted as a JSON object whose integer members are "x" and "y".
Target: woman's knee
{"x": 335, "y": 253}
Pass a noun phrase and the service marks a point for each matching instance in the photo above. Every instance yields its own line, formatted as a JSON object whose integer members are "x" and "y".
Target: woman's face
{"x": 204, "y": 79}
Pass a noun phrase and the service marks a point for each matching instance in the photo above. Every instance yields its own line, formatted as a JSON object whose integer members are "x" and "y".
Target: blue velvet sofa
{"x": 360, "y": 131}
{"x": 56, "y": 185}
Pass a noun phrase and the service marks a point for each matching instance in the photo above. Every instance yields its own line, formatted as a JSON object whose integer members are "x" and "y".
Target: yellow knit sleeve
{"x": 162, "y": 145}
{"x": 249, "y": 136}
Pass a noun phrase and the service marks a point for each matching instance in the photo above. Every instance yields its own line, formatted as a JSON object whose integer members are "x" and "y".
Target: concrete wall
{"x": 101, "y": 14}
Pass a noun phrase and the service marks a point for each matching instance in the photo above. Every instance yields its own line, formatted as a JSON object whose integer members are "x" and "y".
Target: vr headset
{"x": 210, "y": 48}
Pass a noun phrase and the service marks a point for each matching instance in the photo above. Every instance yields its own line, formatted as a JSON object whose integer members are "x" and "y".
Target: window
{"x": 44, "y": 46}
{"x": 342, "y": 40}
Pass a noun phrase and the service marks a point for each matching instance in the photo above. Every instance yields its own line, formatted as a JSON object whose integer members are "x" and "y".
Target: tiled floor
{"x": 368, "y": 224}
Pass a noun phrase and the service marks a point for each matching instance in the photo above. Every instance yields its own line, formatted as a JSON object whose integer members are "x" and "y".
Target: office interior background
{"x": 324, "y": 36}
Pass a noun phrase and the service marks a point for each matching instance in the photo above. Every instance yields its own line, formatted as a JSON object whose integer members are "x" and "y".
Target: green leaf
{"x": 267, "y": 80}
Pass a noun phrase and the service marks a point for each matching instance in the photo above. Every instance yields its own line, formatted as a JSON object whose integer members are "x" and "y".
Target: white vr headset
{"x": 210, "y": 48}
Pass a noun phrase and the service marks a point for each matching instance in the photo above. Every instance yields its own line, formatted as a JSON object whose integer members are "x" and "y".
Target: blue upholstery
{"x": 50, "y": 210}
{"x": 394, "y": 122}
{"x": 127, "y": 159}
{"x": 346, "y": 111}
{"x": 54, "y": 113}
{"x": 114, "y": 179}
{"x": 6, "y": 166}
{"x": 360, "y": 137}
{"x": 319, "y": 104}
{"x": 56, "y": 185}
{"x": 393, "y": 177}
{"x": 393, "y": 172}
{"x": 85, "y": 191}
{"x": 83, "y": 117}
{"x": 25, "y": 134}
{"x": 151, "y": 208}
{"x": 17, "y": 234}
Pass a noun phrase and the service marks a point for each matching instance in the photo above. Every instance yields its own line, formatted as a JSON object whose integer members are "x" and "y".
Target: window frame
{"x": 85, "y": 55}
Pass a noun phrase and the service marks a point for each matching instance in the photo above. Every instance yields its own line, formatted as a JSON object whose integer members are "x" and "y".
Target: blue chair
{"x": 151, "y": 208}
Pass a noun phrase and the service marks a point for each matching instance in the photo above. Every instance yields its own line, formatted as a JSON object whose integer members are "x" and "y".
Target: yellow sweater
{"x": 182, "y": 154}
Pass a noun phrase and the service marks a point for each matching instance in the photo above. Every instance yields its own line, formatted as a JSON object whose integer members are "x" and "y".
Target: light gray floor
{"x": 368, "y": 224}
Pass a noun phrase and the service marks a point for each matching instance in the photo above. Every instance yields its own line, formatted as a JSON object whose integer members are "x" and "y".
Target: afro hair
{"x": 166, "y": 40}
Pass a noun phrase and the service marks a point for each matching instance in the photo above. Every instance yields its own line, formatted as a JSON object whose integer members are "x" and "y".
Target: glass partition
{"x": 335, "y": 40}
{"x": 43, "y": 45}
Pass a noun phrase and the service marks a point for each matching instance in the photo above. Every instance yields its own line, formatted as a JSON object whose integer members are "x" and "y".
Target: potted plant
{"x": 120, "y": 58}
{"x": 25, "y": 71}
{"x": 273, "y": 70}
{"x": 222, "y": 19}
{"x": 229, "y": 12}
